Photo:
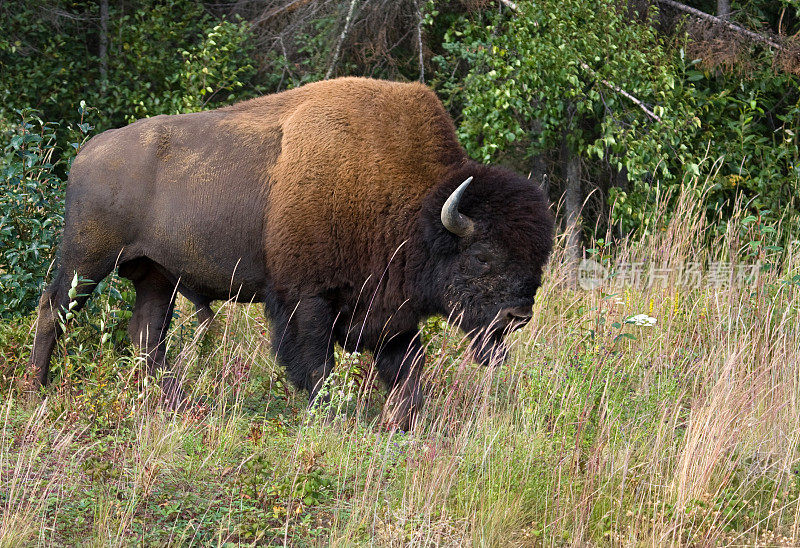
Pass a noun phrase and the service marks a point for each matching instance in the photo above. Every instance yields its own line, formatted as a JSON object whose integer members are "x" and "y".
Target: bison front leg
{"x": 303, "y": 344}
{"x": 400, "y": 361}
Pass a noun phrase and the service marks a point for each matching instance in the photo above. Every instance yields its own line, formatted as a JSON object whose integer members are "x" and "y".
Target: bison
{"x": 347, "y": 206}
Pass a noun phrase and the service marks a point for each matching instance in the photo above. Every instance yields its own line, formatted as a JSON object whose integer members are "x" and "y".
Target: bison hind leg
{"x": 202, "y": 305}
{"x": 150, "y": 321}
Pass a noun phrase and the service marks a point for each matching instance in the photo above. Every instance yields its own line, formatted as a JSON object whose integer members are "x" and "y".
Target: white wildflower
{"x": 642, "y": 319}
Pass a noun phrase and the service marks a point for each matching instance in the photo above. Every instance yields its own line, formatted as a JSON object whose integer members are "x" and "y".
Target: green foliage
{"x": 751, "y": 126}
{"x": 217, "y": 66}
{"x": 91, "y": 365}
{"x": 186, "y": 69}
{"x": 308, "y": 486}
{"x": 163, "y": 58}
{"x": 13, "y": 339}
{"x": 538, "y": 76}
{"x": 31, "y": 212}
{"x": 599, "y": 80}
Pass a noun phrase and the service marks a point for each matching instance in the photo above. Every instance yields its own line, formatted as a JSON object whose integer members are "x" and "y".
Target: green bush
{"x": 31, "y": 212}
{"x": 567, "y": 75}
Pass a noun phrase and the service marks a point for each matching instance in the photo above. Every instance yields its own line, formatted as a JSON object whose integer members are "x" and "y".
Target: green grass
{"x": 596, "y": 432}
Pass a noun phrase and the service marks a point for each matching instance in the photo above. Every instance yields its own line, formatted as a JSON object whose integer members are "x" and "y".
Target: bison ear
{"x": 455, "y": 222}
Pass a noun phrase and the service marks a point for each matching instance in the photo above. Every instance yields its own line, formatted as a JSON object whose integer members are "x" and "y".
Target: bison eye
{"x": 481, "y": 264}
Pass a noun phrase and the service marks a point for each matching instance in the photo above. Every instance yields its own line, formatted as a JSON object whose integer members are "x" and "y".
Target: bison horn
{"x": 455, "y": 222}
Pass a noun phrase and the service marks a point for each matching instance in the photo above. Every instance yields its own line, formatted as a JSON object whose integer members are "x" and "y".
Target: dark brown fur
{"x": 323, "y": 202}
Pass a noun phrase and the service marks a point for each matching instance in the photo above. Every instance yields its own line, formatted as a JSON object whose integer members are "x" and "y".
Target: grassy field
{"x": 596, "y": 432}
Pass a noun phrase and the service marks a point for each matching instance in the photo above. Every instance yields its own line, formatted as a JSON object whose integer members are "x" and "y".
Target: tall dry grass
{"x": 596, "y": 431}
{"x": 701, "y": 449}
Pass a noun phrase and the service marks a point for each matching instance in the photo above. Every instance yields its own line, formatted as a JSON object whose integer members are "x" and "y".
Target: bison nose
{"x": 516, "y": 316}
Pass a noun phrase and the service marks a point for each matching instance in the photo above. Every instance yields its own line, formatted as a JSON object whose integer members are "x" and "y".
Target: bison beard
{"x": 347, "y": 207}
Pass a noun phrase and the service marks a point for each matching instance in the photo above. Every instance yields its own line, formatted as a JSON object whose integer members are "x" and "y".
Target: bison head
{"x": 489, "y": 233}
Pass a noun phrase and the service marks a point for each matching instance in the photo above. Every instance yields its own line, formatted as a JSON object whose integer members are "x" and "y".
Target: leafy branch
{"x": 638, "y": 102}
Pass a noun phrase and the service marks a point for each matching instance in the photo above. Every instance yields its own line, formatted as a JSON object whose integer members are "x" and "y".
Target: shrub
{"x": 32, "y": 185}
{"x": 31, "y": 212}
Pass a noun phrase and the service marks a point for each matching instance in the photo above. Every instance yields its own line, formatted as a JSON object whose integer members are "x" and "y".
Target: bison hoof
{"x": 320, "y": 408}
{"x": 401, "y": 425}
{"x": 172, "y": 395}
{"x": 400, "y": 413}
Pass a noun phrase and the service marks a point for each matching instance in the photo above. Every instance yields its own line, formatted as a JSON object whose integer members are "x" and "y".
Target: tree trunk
{"x": 419, "y": 42}
{"x": 538, "y": 172}
{"x": 621, "y": 179}
{"x": 573, "y": 200}
{"x": 103, "y": 46}
{"x": 723, "y": 9}
{"x": 338, "y": 50}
